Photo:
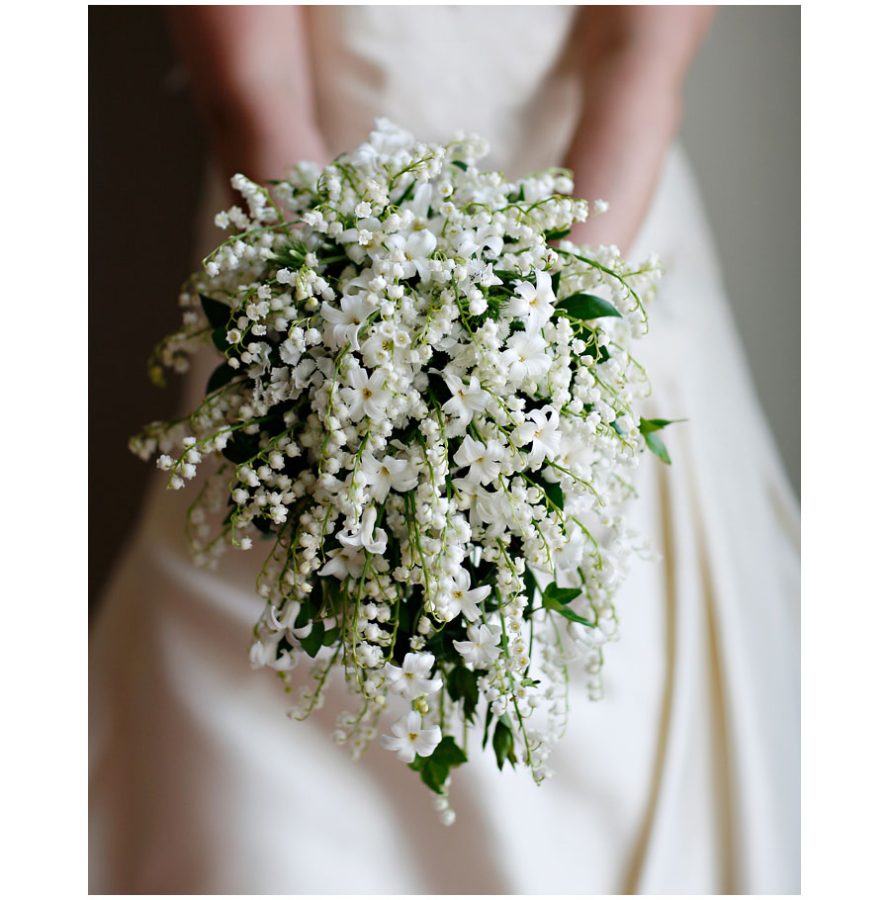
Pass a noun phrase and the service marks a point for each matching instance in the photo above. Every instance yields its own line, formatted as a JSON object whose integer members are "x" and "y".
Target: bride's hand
{"x": 633, "y": 62}
{"x": 252, "y": 82}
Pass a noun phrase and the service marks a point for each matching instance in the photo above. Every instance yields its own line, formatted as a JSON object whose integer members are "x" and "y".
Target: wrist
{"x": 629, "y": 77}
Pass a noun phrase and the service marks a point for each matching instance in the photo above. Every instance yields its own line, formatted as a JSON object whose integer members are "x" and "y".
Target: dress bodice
{"x": 501, "y": 71}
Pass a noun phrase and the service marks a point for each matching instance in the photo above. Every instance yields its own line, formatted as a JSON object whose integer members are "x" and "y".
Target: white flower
{"x": 416, "y": 249}
{"x": 466, "y": 400}
{"x": 368, "y": 537}
{"x": 368, "y": 655}
{"x": 388, "y": 474}
{"x": 291, "y": 351}
{"x": 526, "y": 356}
{"x": 484, "y": 506}
{"x": 412, "y": 679}
{"x": 461, "y": 599}
{"x": 542, "y": 432}
{"x": 483, "y": 646}
{"x": 411, "y": 738}
{"x": 576, "y": 454}
{"x": 483, "y": 459}
{"x": 344, "y": 563}
{"x": 419, "y": 205}
{"x": 534, "y": 304}
{"x": 345, "y": 322}
{"x": 365, "y": 395}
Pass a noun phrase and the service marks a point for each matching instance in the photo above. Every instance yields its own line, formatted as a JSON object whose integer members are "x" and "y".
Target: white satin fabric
{"x": 684, "y": 778}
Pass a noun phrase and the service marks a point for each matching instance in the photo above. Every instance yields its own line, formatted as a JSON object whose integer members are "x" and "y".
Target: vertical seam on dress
{"x": 722, "y": 786}
{"x": 638, "y": 854}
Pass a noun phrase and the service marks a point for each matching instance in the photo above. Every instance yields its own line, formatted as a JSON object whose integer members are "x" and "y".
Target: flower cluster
{"x": 426, "y": 405}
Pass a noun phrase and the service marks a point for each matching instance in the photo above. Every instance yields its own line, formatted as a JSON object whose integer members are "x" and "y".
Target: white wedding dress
{"x": 684, "y": 778}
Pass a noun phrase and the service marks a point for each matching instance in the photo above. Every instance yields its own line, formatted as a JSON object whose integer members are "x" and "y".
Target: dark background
{"x": 146, "y": 166}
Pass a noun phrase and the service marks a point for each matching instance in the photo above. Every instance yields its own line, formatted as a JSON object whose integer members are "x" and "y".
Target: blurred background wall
{"x": 741, "y": 130}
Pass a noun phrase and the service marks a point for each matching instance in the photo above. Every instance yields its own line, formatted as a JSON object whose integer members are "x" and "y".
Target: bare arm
{"x": 634, "y": 60}
{"x": 252, "y": 82}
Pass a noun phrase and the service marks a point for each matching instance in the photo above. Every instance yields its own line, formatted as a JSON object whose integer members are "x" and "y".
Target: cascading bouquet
{"x": 426, "y": 403}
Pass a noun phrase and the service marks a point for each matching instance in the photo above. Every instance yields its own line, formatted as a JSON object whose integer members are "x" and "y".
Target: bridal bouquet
{"x": 426, "y": 404}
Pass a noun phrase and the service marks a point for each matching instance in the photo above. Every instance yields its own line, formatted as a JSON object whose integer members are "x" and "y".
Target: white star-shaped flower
{"x": 466, "y": 400}
{"x": 343, "y": 563}
{"x": 416, "y": 248}
{"x": 543, "y": 434}
{"x": 411, "y": 738}
{"x": 365, "y": 395}
{"x": 389, "y": 473}
{"x": 482, "y": 459}
{"x": 483, "y": 646}
{"x": 535, "y": 304}
{"x": 460, "y": 599}
{"x": 344, "y": 323}
{"x": 526, "y": 356}
{"x": 411, "y": 679}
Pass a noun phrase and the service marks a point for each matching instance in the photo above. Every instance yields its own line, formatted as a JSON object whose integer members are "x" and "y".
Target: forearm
{"x": 631, "y": 110}
{"x": 252, "y": 83}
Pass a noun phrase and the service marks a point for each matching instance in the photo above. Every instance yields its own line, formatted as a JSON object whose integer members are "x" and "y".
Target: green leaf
{"x": 572, "y": 616}
{"x": 432, "y": 774}
{"x": 587, "y": 306}
{"x": 519, "y": 196}
{"x": 312, "y": 642}
{"x": 462, "y": 684}
{"x": 554, "y": 493}
{"x": 409, "y": 193}
{"x": 460, "y": 164}
{"x": 656, "y": 445}
{"x": 449, "y": 753}
{"x": 555, "y": 235}
{"x": 241, "y": 447}
{"x": 554, "y": 596}
{"x": 329, "y": 638}
{"x": 649, "y": 425}
{"x": 556, "y": 599}
{"x": 221, "y": 376}
{"x": 530, "y": 585}
{"x": 217, "y": 313}
{"x": 502, "y": 741}
{"x": 218, "y": 336}
{"x": 434, "y": 768}
{"x": 488, "y": 718}
{"x": 653, "y": 441}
